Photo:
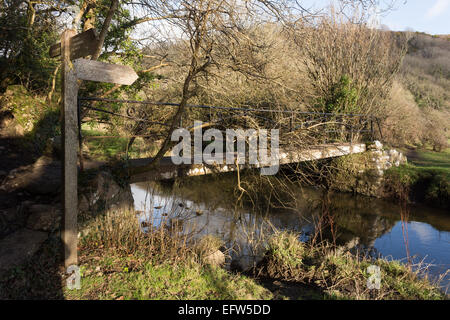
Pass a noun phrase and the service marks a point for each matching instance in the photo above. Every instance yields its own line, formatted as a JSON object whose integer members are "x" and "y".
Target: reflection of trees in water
{"x": 358, "y": 221}
{"x": 349, "y": 220}
{"x": 341, "y": 217}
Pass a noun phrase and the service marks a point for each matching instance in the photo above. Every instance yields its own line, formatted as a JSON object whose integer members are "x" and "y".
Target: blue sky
{"x": 431, "y": 16}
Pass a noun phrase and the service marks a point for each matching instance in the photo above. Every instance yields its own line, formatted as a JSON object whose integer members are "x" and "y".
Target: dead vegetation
{"x": 126, "y": 252}
{"x": 340, "y": 274}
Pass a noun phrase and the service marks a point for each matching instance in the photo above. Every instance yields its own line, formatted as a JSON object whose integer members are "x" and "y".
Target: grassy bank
{"x": 118, "y": 261}
{"x": 342, "y": 275}
{"x": 426, "y": 178}
{"x": 108, "y": 275}
{"x": 431, "y": 160}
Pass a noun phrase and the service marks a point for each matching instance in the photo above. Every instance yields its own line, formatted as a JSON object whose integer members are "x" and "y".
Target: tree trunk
{"x": 105, "y": 27}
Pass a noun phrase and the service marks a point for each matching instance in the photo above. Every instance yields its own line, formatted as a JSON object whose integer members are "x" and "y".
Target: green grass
{"x": 119, "y": 261}
{"x": 420, "y": 184}
{"x": 426, "y": 178}
{"x": 432, "y": 160}
{"x": 114, "y": 147}
{"x": 107, "y": 275}
{"x": 114, "y": 277}
{"x": 104, "y": 148}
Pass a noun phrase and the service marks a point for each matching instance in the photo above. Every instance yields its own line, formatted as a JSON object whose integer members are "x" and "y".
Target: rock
{"x": 10, "y": 214}
{"x": 245, "y": 263}
{"x": 46, "y": 177}
{"x": 376, "y": 145}
{"x": 12, "y": 219}
{"x": 18, "y": 247}
{"x": 83, "y": 203}
{"x": 102, "y": 192}
{"x": 44, "y": 218}
{"x": 364, "y": 173}
{"x": 216, "y": 258}
{"x": 8, "y": 126}
{"x": 42, "y": 177}
{"x": 55, "y": 145}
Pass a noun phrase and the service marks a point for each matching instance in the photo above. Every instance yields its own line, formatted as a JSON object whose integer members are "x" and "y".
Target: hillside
{"x": 426, "y": 70}
{"x": 418, "y": 110}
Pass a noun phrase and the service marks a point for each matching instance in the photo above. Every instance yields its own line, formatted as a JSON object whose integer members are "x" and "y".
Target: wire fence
{"x": 139, "y": 121}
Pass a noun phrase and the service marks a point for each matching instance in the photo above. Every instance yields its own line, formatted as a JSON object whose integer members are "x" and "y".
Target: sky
{"x": 430, "y": 16}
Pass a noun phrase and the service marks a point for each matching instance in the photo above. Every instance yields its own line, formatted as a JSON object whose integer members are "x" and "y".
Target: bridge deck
{"x": 168, "y": 170}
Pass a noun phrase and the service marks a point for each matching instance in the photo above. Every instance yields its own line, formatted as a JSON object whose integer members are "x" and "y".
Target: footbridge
{"x": 303, "y": 136}
{"x": 168, "y": 170}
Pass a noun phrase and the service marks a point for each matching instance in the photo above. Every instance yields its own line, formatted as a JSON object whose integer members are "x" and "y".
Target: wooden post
{"x": 70, "y": 143}
{"x": 74, "y": 46}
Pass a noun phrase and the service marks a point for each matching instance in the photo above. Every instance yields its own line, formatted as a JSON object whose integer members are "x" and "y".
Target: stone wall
{"x": 364, "y": 173}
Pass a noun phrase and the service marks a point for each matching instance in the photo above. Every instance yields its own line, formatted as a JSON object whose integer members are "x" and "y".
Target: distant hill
{"x": 418, "y": 109}
{"x": 426, "y": 70}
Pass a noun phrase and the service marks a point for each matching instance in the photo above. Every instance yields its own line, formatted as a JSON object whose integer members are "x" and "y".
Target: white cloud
{"x": 437, "y": 9}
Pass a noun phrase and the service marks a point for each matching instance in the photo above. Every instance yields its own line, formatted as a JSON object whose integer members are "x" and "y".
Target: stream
{"x": 376, "y": 227}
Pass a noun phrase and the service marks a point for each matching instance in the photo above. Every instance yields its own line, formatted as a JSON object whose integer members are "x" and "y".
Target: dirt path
{"x": 24, "y": 246}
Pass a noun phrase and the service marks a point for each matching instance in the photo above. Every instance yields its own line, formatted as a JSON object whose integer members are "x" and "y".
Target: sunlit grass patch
{"x": 285, "y": 252}
{"x": 158, "y": 279}
{"x": 106, "y": 146}
{"x": 120, "y": 261}
{"x": 433, "y": 160}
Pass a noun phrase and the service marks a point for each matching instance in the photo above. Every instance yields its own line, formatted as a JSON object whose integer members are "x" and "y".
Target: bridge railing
{"x": 151, "y": 120}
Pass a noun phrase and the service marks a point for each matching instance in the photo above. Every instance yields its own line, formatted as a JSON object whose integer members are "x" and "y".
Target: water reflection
{"x": 207, "y": 206}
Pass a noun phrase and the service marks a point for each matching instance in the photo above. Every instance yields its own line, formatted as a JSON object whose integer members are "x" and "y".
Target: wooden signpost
{"x": 81, "y": 45}
{"x": 104, "y": 72}
{"x": 75, "y": 46}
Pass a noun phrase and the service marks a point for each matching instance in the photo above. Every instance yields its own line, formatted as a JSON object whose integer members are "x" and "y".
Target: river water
{"x": 373, "y": 226}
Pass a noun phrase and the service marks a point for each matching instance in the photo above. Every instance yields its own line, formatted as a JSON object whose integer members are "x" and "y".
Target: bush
{"x": 431, "y": 186}
{"x": 404, "y": 122}
{"x": 285, "y": 251}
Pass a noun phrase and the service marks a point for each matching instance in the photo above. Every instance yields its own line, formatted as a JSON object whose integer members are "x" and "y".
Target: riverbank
{"x": 142, "y": 271}
{"x": 125, "y": 263}
{"x": 121, "y": 262}
{"x": 426, "y": 178}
